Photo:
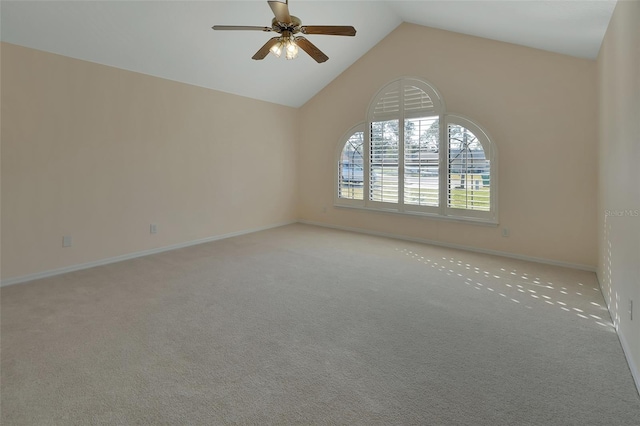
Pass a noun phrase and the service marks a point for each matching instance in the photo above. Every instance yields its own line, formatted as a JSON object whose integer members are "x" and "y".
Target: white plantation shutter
{"x": 416, "y": 99}
{"x": 387, "y": 104}
{"x": 419, "y": 160}
{"x": 403, "y": 106}
{"x": 384, "y": 155}
{"x": 383, "y": 146}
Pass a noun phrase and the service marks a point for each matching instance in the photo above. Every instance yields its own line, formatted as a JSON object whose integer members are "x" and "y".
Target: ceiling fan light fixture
{"x": 276, "y": 49}
{"x": 291, "y": 49}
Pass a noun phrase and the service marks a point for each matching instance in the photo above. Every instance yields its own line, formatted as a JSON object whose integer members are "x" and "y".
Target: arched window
{"x": 417, "y": 159}
{"x": 470, "y": 170}
{"x": 351, "y": 166}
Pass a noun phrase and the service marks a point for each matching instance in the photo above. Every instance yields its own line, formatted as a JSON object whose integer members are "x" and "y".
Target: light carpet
{"x": 306, "y": 325}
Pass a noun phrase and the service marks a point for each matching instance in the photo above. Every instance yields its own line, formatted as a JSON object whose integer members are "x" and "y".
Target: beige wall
{"x": 619, "y": 179}
{"x": 100, "y": 153}
{"x": 539, "y": 107}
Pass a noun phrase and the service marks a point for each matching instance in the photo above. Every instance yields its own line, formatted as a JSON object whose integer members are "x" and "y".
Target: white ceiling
{"x": 174, "y": 39}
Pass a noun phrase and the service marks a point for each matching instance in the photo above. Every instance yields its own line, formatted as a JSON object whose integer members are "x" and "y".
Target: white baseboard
{"x": 72, "y": 268}
{"x": 626, "y": 349}
{"x": 579, "y": 266}
{"x": 632, "y": 365}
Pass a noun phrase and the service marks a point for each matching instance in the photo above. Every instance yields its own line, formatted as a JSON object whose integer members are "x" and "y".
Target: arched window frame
{"x": 384, "y": 107}
{"x": 348, "y": 202}
{"x": 490, "y": 153}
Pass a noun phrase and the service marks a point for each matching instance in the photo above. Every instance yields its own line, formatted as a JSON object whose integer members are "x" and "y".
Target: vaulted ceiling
{"x": 174, "y": 39}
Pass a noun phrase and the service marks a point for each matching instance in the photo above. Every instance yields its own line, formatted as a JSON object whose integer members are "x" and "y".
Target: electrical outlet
{"x": 66, "y": 241}
{"x": 505, "y": 232}
{"x": 153, "y": 229}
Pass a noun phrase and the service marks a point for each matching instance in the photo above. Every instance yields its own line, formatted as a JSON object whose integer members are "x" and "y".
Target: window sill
{"x": 459, "y": 219}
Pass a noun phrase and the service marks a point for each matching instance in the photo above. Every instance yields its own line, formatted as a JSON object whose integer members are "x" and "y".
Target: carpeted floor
{"x": 305, "y": 325}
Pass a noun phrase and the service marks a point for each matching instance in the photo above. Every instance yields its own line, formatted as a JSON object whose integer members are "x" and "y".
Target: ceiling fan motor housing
{"x": 293, "y": 26}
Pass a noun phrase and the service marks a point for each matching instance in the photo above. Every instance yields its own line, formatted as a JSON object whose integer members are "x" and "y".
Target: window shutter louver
{"x": 416, "y": 99}
{"x": 388, "y": 104}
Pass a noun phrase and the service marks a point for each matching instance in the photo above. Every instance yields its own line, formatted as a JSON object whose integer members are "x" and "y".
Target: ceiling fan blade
{"x": 329, "y": 30}
{"x": 264, "y": 50}
{"x": 281, "y": 11}
{"x": 311, "y": 49}
{"x": 240, "y": 27}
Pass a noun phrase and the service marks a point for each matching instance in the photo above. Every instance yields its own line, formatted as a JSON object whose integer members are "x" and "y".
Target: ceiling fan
{"x": 288, "y": 26}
